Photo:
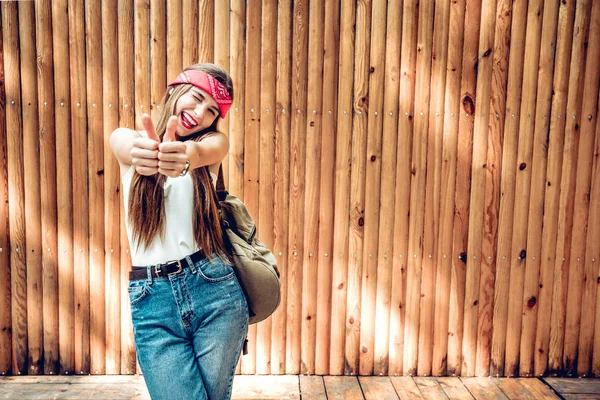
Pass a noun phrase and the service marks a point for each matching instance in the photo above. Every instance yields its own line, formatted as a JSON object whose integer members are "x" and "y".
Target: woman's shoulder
{"x": 210, "y": 134}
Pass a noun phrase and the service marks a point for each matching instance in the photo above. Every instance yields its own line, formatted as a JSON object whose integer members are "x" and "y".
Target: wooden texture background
{"x": 426, "y": 172}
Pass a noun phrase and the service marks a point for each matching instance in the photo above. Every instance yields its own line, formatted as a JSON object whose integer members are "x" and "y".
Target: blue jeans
{"x": 189, "y": 330}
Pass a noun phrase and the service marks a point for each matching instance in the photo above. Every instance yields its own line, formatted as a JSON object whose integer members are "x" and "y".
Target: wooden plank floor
{"x": 312, "y": 387}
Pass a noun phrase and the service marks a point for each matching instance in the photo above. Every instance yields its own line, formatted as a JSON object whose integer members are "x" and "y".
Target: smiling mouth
{"x": 187, "y": 120}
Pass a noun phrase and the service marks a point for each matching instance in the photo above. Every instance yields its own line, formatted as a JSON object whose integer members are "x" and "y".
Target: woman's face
{"x": 196, "y": 110}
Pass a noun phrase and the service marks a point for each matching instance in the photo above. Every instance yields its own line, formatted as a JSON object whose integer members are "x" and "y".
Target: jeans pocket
{"x": 215, "y": 270}
{"x": 137, "y": 291}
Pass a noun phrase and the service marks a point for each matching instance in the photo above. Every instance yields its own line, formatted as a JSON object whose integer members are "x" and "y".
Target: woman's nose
{"x": 199, "y": 110}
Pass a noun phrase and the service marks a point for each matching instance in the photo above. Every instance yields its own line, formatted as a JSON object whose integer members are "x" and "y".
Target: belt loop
{"x": 149, "y": 272}
{"x": 190, "y": 264}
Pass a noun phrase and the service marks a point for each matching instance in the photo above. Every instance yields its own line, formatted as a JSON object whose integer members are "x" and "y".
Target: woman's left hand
{"x": 172, "y": 154}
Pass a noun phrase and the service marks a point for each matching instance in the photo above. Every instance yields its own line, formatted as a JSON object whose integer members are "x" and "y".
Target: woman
{"x": 190, "y": 316}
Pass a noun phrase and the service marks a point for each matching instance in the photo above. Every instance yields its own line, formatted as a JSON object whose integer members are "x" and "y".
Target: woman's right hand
{"x": 144, "y": 153}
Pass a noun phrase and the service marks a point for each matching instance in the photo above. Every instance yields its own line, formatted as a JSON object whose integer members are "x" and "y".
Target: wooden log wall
{"x": 426, "y": 172}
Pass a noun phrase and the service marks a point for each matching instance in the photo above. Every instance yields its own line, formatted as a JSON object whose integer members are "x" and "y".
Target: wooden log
{"x": 252, "y": 144}
{"x": 17, "y": 337}
{"x": 29, "y": 95}
{"x": 403, "y": 176}
{"x": 281, "y": 179}
{"x": 236, "y": 118}
{"x": 385, "y": 250}
{"x": 327, "y": 185}
{"x": 5, "y": 290}
{"x": 447, "y": 190}
{"x": 93, "y": 26}
{"x": 357, "y": 185}
{"x": 47, "y": 154}
{"x": 190, "y": 27}
{"x": 552, "y": 185}
{"x": 158, "y": 54}
{"x": 266, "y": 133}
{"x": 343, "y": 149}
{"x": 567, "y": 189}
{"x": 143, "y": 94}
{"x": 496, "y": 123}
{"x": 578, "y": 342}
{"x": 372, "y": 165}
{"x": 538, "y": 182}
{"x": 593, "y": 251}
{"x": 126, "y": 119}
{"x": 80, "y": 186}
{"x": 128, "y": 354}
{"x": 296, "y": 203}
{"x": 312, "y": 143}
{"x": 473, "y": 326}
{"x": 507, "y": 185}
{"x": 463, "y": 186}
{"x": 518, "y": 256}
{"x": 222, "y": 58}
{"x": 439, "y": 58}
{"x": 112, "y": 205}
{"x": 64, "y": 190}
{"x": 417, "y": 187}
{"x": 589, "y": 358}
{"x": 206, "y": 31}
{"x": 174, "y": 39}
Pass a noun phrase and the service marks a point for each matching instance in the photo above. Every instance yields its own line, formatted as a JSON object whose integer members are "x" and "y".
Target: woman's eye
{"x": 212, "y": 111}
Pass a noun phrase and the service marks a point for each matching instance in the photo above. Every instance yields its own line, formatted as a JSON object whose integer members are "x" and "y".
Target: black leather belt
{"x": 165, "y": 269}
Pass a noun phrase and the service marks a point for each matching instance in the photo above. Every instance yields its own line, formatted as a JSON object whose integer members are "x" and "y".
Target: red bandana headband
{"x": 209, "y": 84}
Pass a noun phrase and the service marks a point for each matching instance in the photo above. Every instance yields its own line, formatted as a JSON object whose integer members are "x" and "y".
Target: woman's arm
{"x": 208, "y": 151}
{"x": 130, "y": 148}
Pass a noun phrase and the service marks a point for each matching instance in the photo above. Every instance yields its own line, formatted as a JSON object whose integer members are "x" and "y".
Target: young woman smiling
{"x": 190, "y": 316}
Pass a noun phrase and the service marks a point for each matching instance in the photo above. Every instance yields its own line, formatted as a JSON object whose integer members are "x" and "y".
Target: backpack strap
{"x": 221, "y": 190}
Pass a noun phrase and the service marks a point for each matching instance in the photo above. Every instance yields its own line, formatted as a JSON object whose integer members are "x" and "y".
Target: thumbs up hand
{"x": 172, "y": 154}
{"x": 144, "y": 153}
{"x": 169, "y": 135}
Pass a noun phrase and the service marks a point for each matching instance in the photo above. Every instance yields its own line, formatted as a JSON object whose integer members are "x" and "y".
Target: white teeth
{"x": 188, "y": 121}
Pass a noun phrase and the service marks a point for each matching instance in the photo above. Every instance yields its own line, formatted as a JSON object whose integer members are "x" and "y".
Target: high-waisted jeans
{"x": 189, "y": 330}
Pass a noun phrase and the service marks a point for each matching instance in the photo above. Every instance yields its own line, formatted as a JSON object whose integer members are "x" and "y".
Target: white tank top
{"x": 179, "y": 235}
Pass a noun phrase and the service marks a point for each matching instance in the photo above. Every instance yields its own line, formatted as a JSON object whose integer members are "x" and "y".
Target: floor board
{"x": 430, "y": 388}
{"x": 377, "y": 388}
{"x": 484, "y": 389}
{"x": 406, "y": 388}
{"x": 312, "y": 387}
{"x": 342, "y": 388}
{"x": 293, "y": 387}
{"x": 575, "y": 388}
{"x": 454, "y": 389}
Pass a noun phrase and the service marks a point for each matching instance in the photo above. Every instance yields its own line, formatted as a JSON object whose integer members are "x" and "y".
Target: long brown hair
{"x": 146, "y": 197}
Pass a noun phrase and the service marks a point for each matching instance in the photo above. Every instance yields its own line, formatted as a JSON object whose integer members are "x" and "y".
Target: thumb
{"x": 169, "y": 135}
{"x": 149, "y": 127}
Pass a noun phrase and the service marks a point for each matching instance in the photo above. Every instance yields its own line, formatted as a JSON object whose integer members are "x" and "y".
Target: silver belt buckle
{"x": 179, "y": 267}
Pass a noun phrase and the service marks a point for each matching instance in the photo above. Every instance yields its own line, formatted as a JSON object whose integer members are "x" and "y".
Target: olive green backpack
{"x": 254, "y": 264}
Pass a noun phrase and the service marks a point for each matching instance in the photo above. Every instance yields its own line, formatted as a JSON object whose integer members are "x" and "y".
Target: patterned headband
{"x": 209, "y": 84}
